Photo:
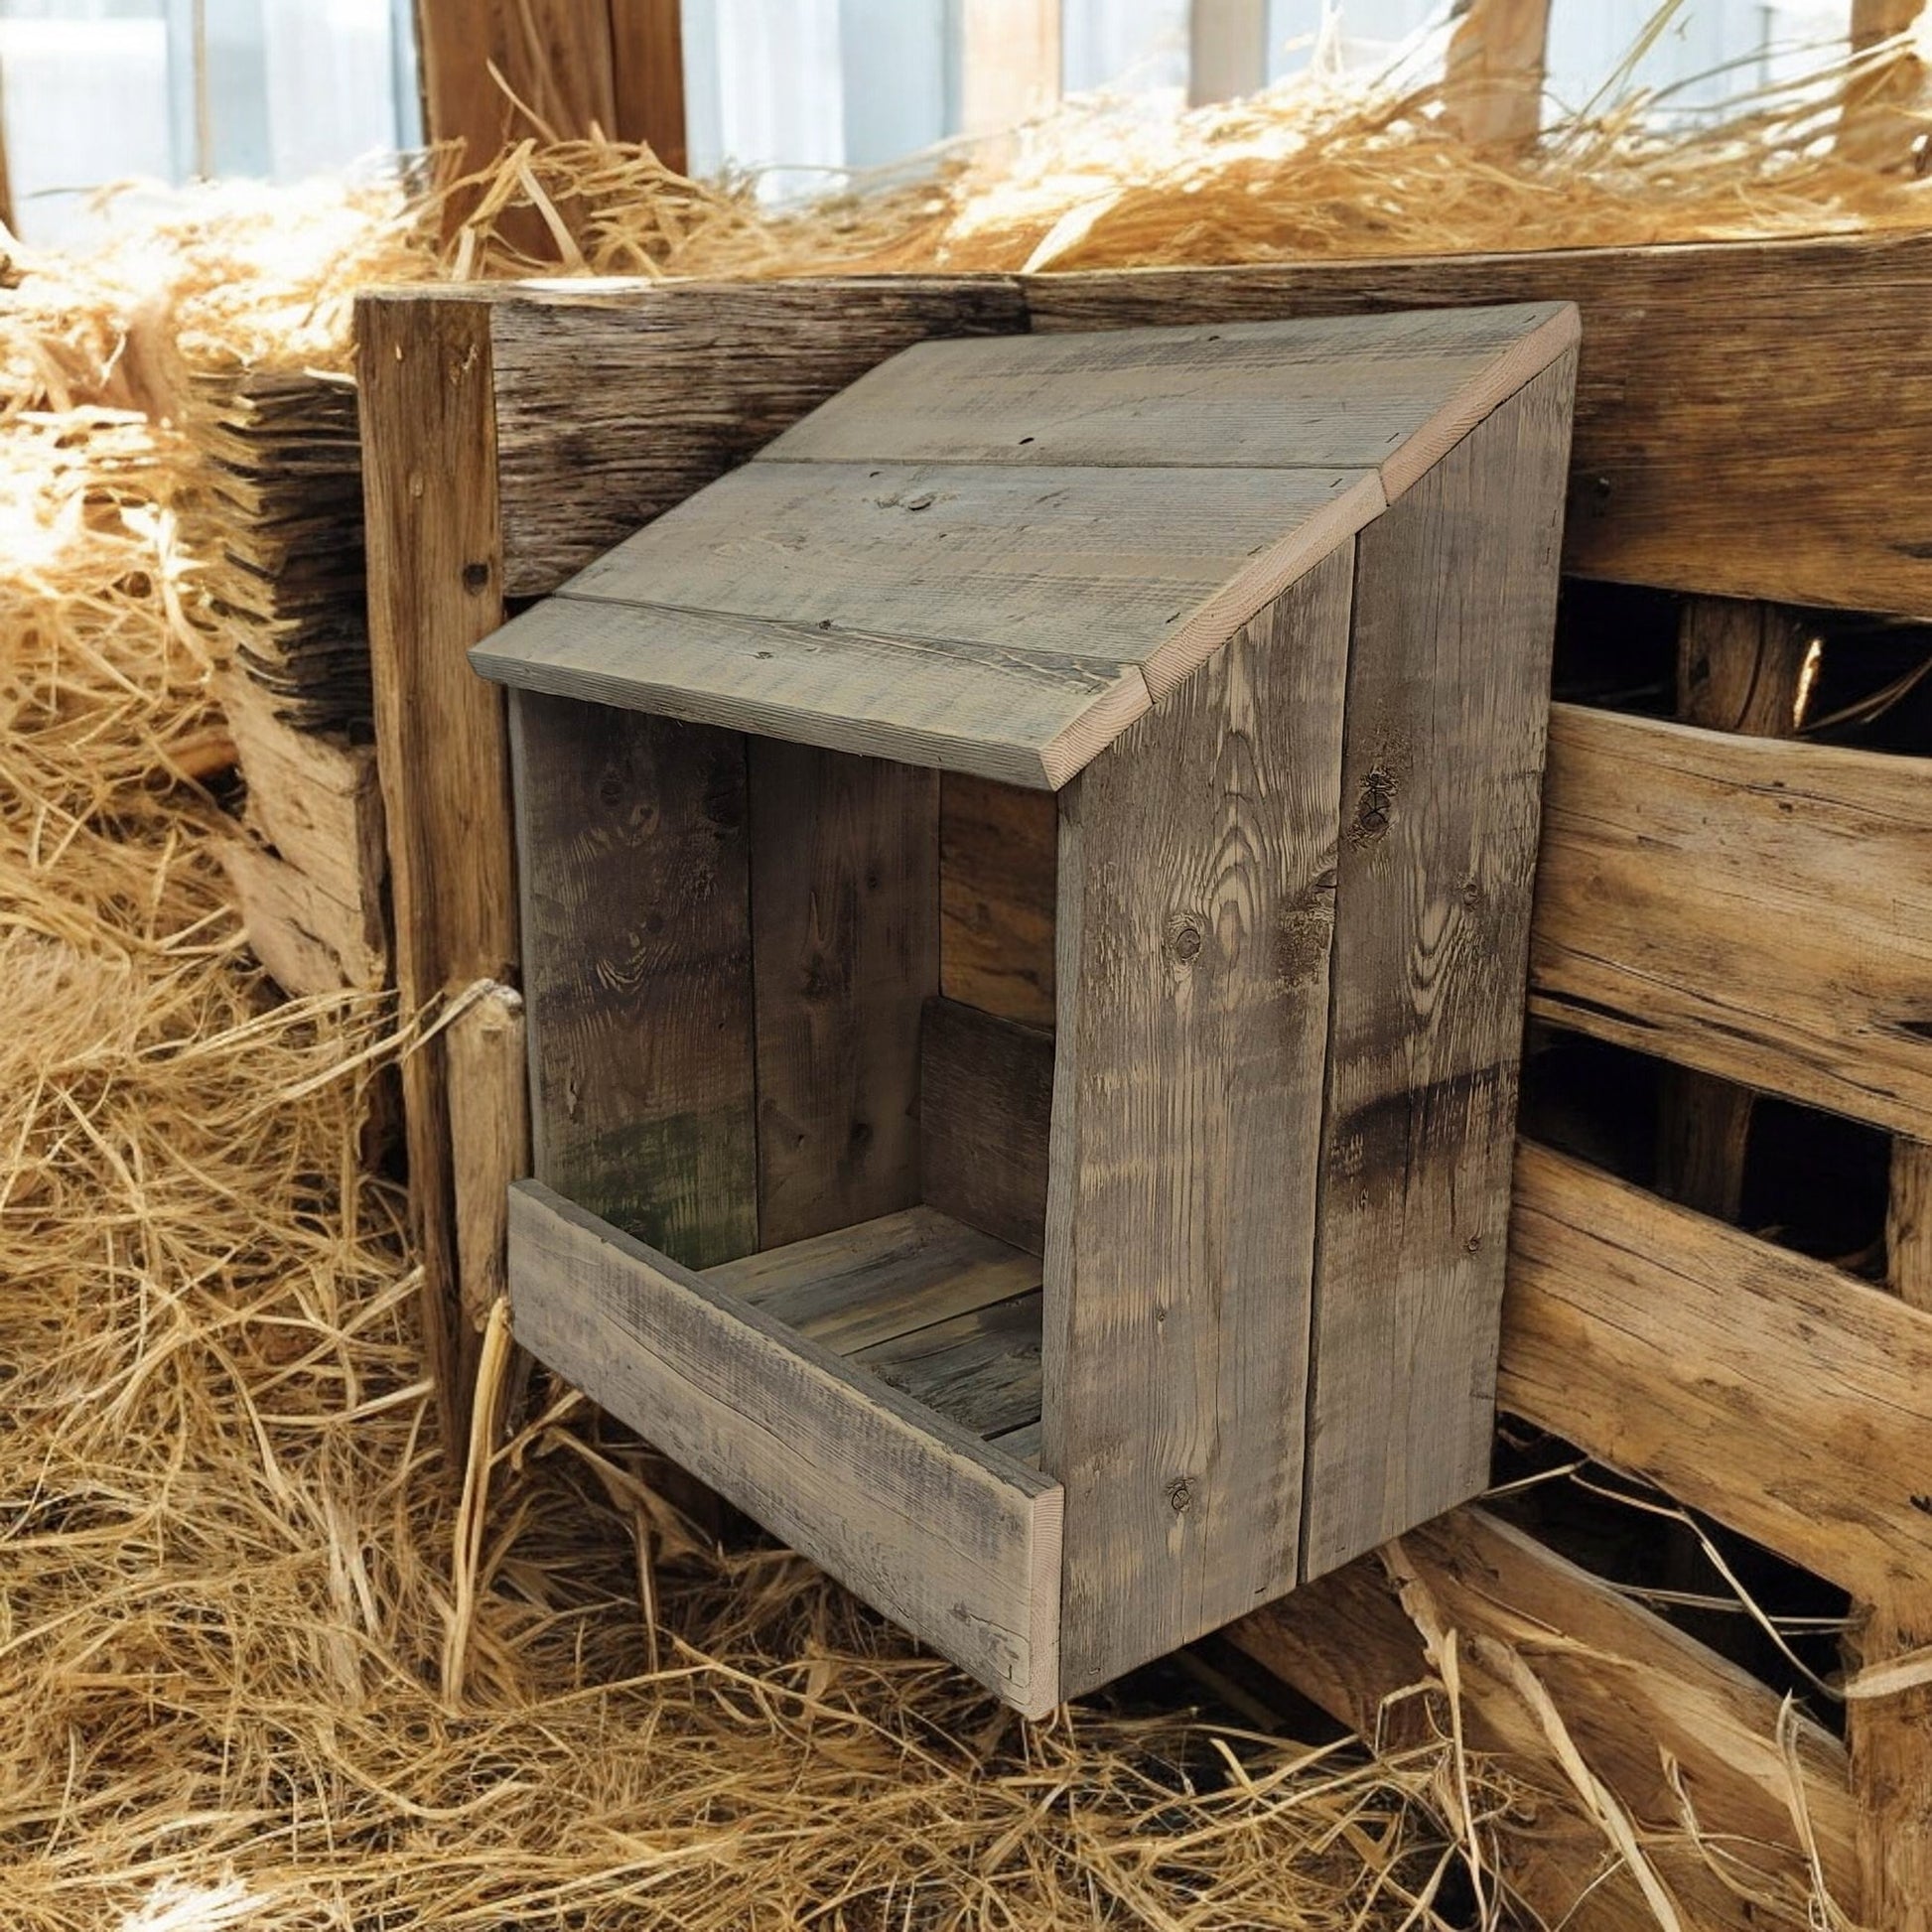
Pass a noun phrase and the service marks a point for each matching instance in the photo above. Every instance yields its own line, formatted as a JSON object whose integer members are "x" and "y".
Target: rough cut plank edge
{"x": 1344, "y": 1642}
{"x": 1622, "y": 1332}
{"x": 1213, "y": 622}
{"x": 1035, "y": 766}
{"x": 1520, "y": 363}
{"x": 779, "y": 1396}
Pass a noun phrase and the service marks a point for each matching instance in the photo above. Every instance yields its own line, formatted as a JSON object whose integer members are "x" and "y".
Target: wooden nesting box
{"x": 1025, "y": 895}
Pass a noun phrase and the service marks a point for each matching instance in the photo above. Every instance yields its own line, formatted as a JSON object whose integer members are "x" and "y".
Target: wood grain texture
{"x": 986, "y": 1105}
{"x": 613, "y": 406}
{"x": 647, "y": 77}
{"x": 947, "y": 1536}
{"x": 1696, "y": 463}
{"x": 869, "y": 1284}
{"x": 999, "y": 874}
{"x": 1009, "y": 61}
{"x": 634, "y": 858}
{"x": 1740, "y": 667}
{"x": 1622, "y": 1333}
{"x": 980, "y": 1369}
{"x": 1155, "y": 567}
{"x": 435, "y": 553}
{"x": 844, "y": 943}
{"x": 489, "y": 1137}
{"x": 1670, "y": 854}
{"x": 1026, "y": 719}
{"x": 1890, "y": 1735}
{"x": 1345, "y": 1642}
{"x": 1389, "y": 393}
{"x": 1448, "y": 699}
{"x": 1196, "y": 861}
{"x": 1227, "y": 49}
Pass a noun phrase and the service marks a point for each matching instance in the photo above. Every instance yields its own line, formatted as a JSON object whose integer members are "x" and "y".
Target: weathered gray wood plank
{"x": 881, "y": 1279}
{"x": 980, "y": 1368}
{"x": 1026, "y": 718}
{"x": 635, "y": 878}
{"x": 985, "y": 1115}
{"x": 1447, "y": 700}
{"x": 845, "y": 948}
{"x": 999, "y": 872}
{"x": 947, "y": 1536}
{"x": 1367, "y": 392}
{"x": 1196, "y": 871}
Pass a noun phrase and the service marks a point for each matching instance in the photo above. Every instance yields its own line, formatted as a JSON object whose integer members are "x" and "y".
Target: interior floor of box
{"x": 946, "y": 1314}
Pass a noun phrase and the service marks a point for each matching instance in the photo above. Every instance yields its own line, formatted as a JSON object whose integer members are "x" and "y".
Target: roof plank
{"x": 1388, "y": 392}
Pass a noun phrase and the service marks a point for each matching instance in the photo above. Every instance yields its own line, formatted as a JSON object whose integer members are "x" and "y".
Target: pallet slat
{"x": 1759, "y": 909}
{"x": 917, "y": 1515}
{"x": 1785, "y": 1397}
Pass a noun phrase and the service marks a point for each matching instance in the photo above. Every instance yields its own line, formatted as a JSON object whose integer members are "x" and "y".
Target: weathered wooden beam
{"x": 1712, "y": 376}
{"x": 648, "y": 76}
{"x": 1622, "y": 1333}
{"x": 608, "y": 412}
{"x": 1628, "y": 1688}
{"x": 1492, "y": 86}
{"x": 554, "y": 57}
{"x": 489, "y": 1118}
{"x": 1890, "y": 1735}
{"x": 435, "y": 551}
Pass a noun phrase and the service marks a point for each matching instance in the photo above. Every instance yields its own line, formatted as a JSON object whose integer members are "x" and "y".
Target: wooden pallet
{"x": 510, "y": 434}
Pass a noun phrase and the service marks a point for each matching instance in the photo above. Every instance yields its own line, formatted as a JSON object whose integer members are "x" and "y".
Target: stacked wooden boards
{"x": 1267, "y": 609}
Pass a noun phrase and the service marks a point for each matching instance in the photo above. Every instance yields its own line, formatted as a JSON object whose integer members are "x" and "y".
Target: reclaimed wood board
{"x": 1389, "y": 393}
{"x": 1448, "y": 699}
{"x": 880, "y": 1279}
{"x": 940, "y": 1531}
{"x": 613, "y": 406}
{"x": 1669, "y": 853}
{"x": 634, "y": 862}
{"x": 845, "y": 949}
{"x": 1711, "y": 374}
{"x": 1196, "y": 858}
{"x": 999, "y": 879}
{"x": 986, "y": 1107}
{"x": 1025, "y": 719}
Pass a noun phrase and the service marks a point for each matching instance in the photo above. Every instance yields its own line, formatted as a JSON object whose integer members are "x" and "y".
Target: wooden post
{"x": 1740, "y": 667}
{"x": 1878, "y": 124}
{"x": 1227, "y": 49}
{"x": 1493, "y": 88}
{"x": 1009, "y": 61}
{"x": 648, "y": 76}
{"x": 1890, "y": 1737}
{"x": 435, "y": 558}
{"x": 6, "y": 184}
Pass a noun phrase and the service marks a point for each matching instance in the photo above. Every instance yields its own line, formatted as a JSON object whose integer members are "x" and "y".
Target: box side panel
{"x": 999, "y": 871}
{"x": 845, "y": 932}
{"x": 953, "y": 1539}
{"x": 1448, "y": 696}
{"x": 634, "y": 867}
{"x": 1196, "y": 871}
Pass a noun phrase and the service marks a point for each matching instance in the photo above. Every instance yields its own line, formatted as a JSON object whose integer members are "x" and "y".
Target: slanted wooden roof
{"x": 992, "y": 555}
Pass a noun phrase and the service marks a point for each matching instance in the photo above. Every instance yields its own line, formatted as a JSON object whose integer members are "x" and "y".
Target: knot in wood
{"x": 1180, "y": 1494}
{"x": 1183, "y": 939}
